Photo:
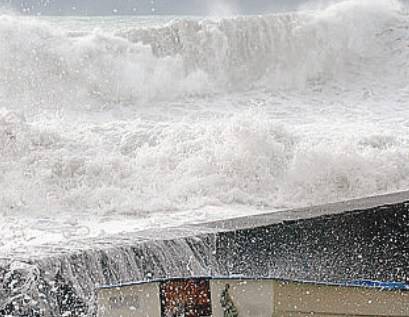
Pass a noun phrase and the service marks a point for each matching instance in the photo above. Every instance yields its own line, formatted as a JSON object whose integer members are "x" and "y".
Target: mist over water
{"x": 223, "y": 8}
{"x": 103, "y": 118}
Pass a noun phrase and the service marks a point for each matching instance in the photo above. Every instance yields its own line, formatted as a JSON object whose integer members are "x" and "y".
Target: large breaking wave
{"x": 347, "y": 40}
{"x": 264, "y": 111}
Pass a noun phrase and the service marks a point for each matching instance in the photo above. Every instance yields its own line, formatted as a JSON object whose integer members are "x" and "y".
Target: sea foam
{"x": 261, "y": 112}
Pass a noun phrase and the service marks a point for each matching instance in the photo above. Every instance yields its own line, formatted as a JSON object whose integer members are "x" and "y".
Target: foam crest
{"x": 246, "y": 159}
{"x": 49, "y": 66}
{"x": 285, "y": 50}
{"x": 344, "y": 171}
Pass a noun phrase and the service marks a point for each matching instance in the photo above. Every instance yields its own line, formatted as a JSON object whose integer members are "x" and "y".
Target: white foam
{"x": 156, "y": 126}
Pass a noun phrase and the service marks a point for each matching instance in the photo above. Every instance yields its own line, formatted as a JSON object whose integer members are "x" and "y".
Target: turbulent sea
{"x": 110, "y": 124}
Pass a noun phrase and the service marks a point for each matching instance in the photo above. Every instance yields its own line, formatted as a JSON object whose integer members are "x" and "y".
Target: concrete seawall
{"x": 362, "y": 239}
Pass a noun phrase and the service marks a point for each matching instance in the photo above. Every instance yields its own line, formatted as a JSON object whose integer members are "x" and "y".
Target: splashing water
{"x": 127, "y": 123}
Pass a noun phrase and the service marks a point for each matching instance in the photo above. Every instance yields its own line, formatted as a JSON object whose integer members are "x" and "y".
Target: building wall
{"x": 292, "y": 299}
{"x": 131, "y": 301}
{"x": 251, "y": 298}
{"x": 263, "y": 298}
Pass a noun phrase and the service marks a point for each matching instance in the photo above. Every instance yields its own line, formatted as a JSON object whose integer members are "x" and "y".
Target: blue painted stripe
{"x": 378, "y": 284}
{"x": 385, "y": 286}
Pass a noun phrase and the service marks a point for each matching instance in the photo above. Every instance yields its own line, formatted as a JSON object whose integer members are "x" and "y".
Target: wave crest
{"x": 345, "y": 42}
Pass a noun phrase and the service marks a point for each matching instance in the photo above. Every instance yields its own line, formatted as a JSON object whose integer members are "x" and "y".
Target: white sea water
{"x": 125, "y": 123}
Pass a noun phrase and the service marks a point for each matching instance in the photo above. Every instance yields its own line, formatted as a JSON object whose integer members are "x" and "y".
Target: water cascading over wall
{"x": 357, "y": 240}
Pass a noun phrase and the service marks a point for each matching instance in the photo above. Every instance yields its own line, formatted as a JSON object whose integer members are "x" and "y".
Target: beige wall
{"x": 264, "y": 299}
{"x": 300, "y": 299}
{"x": 252, "y": 298}
{"x": 135, "y": 301}
{"x": 272, "y": 298}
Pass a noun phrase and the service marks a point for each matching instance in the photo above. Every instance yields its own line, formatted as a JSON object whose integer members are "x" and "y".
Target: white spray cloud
{"x": 331, "y": 5}
{"x": 222, "y": 8}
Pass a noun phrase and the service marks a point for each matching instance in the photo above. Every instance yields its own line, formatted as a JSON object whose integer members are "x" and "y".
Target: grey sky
{"x": 122, "y": 7}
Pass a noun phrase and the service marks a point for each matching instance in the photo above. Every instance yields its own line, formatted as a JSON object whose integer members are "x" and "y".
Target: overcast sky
{"x": 171, "y": 7}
